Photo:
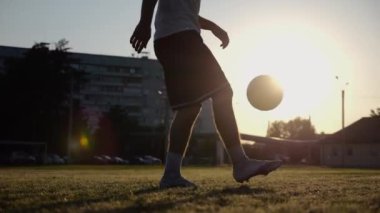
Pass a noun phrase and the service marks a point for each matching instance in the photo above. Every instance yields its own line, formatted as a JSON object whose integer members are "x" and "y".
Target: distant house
{"x": 357, "y": 145}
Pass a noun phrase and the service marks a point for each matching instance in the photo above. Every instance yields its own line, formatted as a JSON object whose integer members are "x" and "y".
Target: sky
{"x": 303, "y": 44}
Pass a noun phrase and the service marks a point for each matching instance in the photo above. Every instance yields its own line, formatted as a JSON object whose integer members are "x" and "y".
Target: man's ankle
{"x": 237, "y": 154}
{"x": 171, "y": 175}
{"x": 173, "y": 165}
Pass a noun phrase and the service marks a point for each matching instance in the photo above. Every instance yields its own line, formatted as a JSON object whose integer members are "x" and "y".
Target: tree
{"x": 277, "y": 129}
{"x": 114, "y": 130}
{"x": 375, "y": 113}
{"x": 35, "y": 90}
{"x": 297, "y": 128}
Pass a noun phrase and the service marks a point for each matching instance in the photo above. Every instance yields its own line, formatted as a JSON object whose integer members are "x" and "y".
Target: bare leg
{"x": 180, "y": 131}
{"x": 243, "y": 167}
{"x": 226, "y": 124}
{"x": 181, "y": 128}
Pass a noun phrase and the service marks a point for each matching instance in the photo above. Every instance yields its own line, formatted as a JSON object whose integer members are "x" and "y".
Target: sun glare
{"x": 299, "y": 58}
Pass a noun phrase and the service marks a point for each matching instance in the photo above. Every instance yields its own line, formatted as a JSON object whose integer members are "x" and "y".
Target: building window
{"x": 114, "y": 69}
{"x": 350, "y": 152}
{"x": 334, "y": 152}
{"x": 134, "y": 109}
{"x": 135, "y": 70}
{"x": 373, "y": 153}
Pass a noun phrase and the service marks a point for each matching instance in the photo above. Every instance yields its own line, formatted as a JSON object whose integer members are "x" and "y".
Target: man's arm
{"x": 215, "y": 29}
{"x": 206, "y": 24}
{"x": 142, "y": 33}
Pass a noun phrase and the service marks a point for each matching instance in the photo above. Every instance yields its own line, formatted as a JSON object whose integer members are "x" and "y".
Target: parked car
{"x": 151, "y": 160}
{"x": 20, "y": 157}
{"x": 119, "y": 160}
{"x": 145, "y": 160}
{"x": 66, "y": 159}
{"x": 137, "y": 160}
{"x": 98, "y": 160}
{"x": 107, "y": 159}
{"x": 54, "y": 159}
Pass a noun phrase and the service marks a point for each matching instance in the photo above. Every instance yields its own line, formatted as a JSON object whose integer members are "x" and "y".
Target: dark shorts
{"x": 192, "y": 73}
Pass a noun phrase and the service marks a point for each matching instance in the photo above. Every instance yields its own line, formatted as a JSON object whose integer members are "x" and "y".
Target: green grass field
{"x": 135, "y": 189}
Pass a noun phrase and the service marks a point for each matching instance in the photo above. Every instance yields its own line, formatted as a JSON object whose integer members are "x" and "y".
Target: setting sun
{"x": 303, "y": 59}
{"x": 304, "y": 45}
{"x": 299, "y": 59}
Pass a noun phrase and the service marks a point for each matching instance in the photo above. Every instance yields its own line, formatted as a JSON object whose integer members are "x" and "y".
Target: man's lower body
{"x": 193, "y": 75}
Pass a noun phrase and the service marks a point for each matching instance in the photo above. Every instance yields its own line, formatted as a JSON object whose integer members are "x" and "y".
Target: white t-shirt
{"x": 174, "y": 16}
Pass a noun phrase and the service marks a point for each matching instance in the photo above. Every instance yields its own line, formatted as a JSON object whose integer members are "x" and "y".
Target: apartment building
{"x": 136, "y": 84}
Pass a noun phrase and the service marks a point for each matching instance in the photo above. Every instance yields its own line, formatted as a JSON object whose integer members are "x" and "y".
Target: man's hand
{"x": 140, "y": 37}
{"x": 216, "y": 30}
{"x": 222, "y": 36}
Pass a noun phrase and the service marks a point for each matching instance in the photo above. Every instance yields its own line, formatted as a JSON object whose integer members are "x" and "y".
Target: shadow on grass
{"x": 63, "y": 205}
{"x": 85, "y": 201}
{"x": 217, "y": 195}
{"x": 148, "y": 190}
{"x": 139, "y": 201}
{"x": 244, "y": 189}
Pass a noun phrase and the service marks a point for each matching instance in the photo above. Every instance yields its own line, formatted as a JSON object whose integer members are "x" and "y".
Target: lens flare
{"x": 84, "y": 142}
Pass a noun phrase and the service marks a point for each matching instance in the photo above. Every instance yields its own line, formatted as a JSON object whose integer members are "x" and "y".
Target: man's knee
{"x": 189, "y": 112}
{"x": 224, "y": 95}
